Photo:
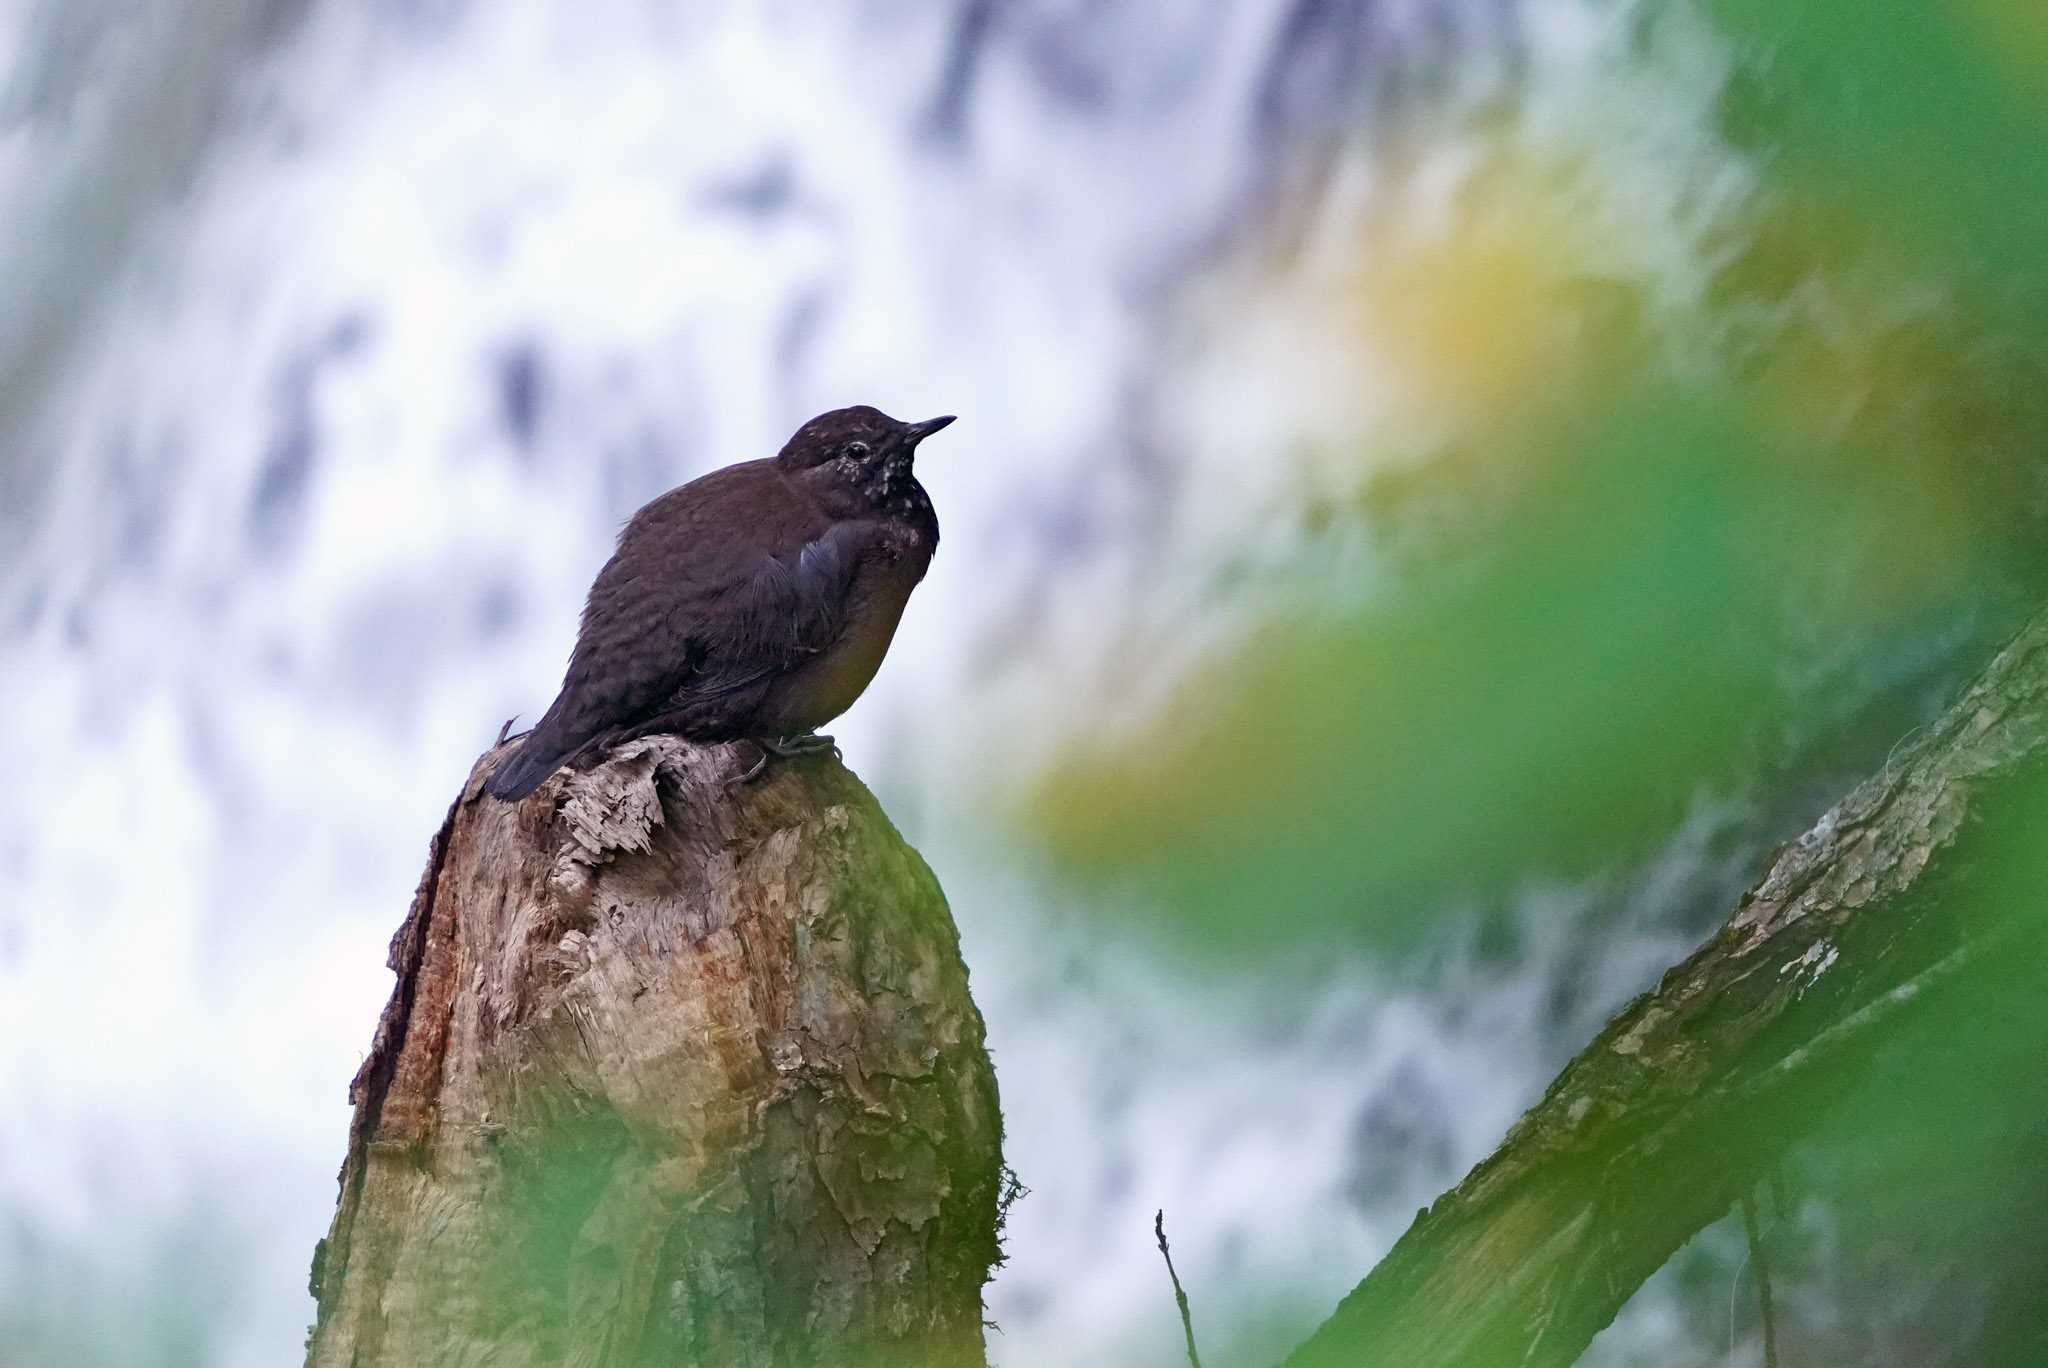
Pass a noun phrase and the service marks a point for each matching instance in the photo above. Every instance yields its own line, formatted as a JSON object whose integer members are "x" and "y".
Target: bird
{"x": 754, "y": 603}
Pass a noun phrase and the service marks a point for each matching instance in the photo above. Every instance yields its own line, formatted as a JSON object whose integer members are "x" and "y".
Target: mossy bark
{"x": 673, "y": 1073}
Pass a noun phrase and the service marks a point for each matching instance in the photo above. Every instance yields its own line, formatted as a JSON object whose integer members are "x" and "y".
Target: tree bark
{"x": 1927, "y": 877}
{"x": 671, "y": 1074}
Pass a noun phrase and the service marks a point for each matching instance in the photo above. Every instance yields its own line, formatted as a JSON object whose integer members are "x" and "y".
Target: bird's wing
{"x": 715, "y": 588}
{"x": 791, "y": 606}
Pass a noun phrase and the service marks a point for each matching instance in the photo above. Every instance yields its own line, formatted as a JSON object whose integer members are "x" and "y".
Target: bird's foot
{"x": 789, "y": 748}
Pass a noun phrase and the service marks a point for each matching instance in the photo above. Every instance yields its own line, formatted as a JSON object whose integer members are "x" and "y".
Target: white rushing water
{"x": 343, "y": 338}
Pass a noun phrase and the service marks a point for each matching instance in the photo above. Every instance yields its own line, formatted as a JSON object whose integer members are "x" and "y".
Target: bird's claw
{"x": 789, "y": 748}
{"x": 752, "y": 772}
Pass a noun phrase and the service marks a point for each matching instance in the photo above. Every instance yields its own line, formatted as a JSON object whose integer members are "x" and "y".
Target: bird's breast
{"x": 828, "y": 684}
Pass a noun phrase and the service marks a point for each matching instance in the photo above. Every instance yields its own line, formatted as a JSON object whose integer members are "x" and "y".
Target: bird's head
{"x": 862, "y": 453}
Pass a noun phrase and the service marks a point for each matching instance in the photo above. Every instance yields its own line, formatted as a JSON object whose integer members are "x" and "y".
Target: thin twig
{"x": 1763, "y": 1280}
{"x": 1734, "y": 1291}
{"x": 1187, "y": 1326}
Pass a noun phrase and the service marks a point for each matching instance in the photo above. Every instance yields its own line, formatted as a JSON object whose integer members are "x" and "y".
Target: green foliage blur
{"x": 1729, "y": 548}
{"x": 1725, "y": 541}
{"x": 1925, "y": 119}
{"x": 1923, "y": 1178}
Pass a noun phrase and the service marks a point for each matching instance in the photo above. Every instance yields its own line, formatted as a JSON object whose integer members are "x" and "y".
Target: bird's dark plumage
{"x": 756, "y": 601}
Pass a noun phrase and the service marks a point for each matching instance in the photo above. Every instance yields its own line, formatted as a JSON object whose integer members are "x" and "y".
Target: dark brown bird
{"x": 756, "y": 602}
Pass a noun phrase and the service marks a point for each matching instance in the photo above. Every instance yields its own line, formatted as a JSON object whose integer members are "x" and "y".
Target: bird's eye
{"x": 857, "y": 450}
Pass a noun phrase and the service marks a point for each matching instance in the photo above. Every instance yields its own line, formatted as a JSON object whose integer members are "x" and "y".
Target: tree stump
{"x": 672, "y": 1073}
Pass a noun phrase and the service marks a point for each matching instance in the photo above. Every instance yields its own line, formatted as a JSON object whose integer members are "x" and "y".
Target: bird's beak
{"x": 914, "y": 433}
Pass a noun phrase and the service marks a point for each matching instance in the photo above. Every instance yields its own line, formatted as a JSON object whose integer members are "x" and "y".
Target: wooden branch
{"x": 1677, "y": 1107}
{"x": 671, "y": 1074}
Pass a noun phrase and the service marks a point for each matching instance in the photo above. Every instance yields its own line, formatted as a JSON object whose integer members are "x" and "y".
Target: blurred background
{"x": 1443, "y": 487}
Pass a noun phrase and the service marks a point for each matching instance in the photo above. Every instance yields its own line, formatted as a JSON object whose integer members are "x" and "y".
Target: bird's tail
{"x": 538, "y": 756}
